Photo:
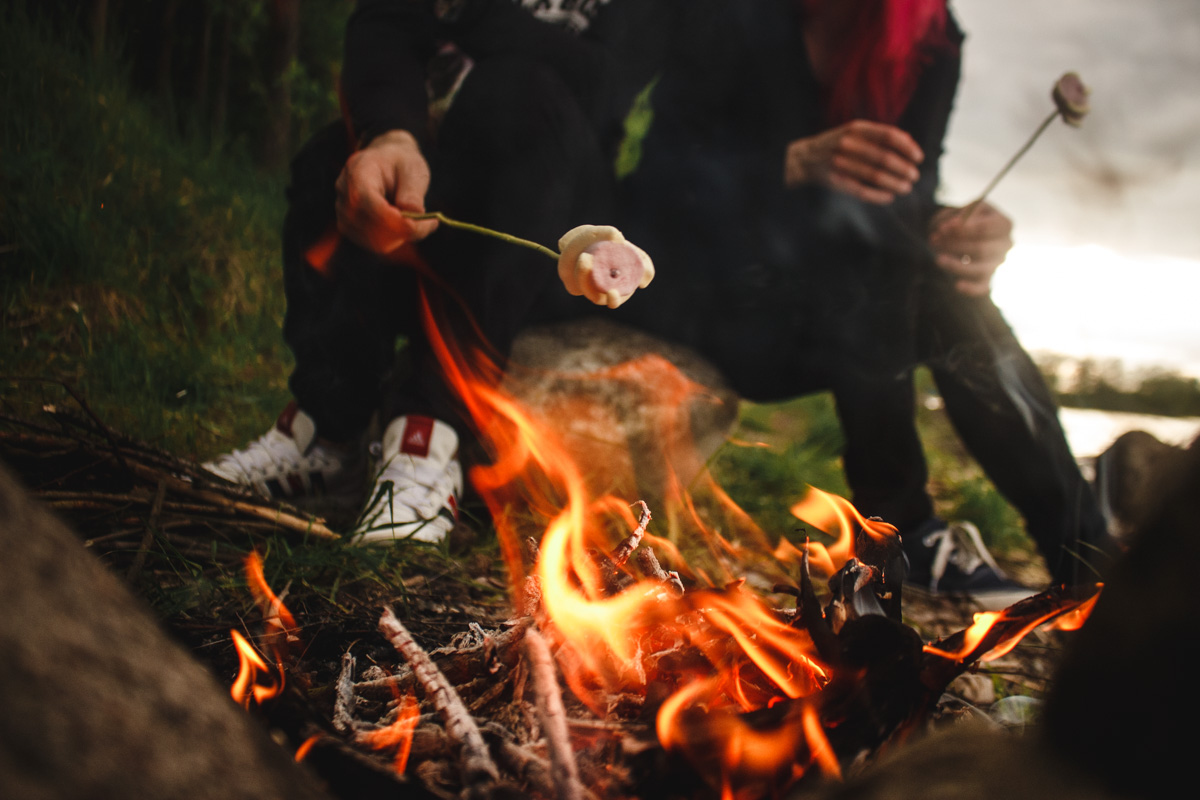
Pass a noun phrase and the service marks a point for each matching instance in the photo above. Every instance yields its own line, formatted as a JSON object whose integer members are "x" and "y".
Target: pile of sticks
{"x": 125, "y": 498}
{"x": 497, "y": 719}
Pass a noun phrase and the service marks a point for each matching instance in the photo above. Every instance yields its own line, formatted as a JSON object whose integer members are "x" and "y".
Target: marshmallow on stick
{"x": 599, "y": 263}
{"x": 1070, "y": 97}
{"x": 596, "y": 262}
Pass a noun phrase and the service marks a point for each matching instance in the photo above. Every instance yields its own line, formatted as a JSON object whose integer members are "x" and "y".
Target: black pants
{"x": 1005, "y": 415}
{"x": 514, "y": 153}
{"x": 808, "y": 291}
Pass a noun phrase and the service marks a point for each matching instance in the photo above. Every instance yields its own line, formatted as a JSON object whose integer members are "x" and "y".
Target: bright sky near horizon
{"x": 1107, "y": 256}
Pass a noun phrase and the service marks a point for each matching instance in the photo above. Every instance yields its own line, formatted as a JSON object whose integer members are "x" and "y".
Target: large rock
{"x": 98, "y": 702}
{"x": 637, "y": 412}
{"x": 1133, "y": 476}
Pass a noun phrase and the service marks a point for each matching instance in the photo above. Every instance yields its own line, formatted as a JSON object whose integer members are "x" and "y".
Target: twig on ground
{"x": 553, "y": 717}
{"x": 479, "y": 771}
{"x": 139, "y": 560}
{"x": 648, "y": 561}
{"x": 343, "y": 704}
{"x": 630, "y": 543}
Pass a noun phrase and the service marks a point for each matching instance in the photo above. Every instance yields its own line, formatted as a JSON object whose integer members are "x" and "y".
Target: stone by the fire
{"x": 597, "y": 262}
{"x": 1071, "y": 97}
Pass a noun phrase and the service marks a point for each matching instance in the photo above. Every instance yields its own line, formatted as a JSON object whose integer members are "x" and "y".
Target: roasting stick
{"x": 1070, "y": 102}
{"x": 553, "y": 718}
{"x": 969, "y": 211}
{"x": 467, "y": 226}
{"x": 479, "y": 771}
{"x": 596, "y": 262}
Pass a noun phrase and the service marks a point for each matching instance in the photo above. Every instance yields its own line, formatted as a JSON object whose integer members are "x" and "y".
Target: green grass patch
{"x": 779, "y": 450}
{"x": 138, "y": 266}
{"x": 776, "y": 453}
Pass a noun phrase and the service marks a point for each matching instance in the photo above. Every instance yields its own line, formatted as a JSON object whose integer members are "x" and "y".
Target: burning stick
{"x": 553, "y": 717}
{"x": 524, "y": 764}
{"x": 650, "y": 566}
{"x": 1070, "y": 97}
{"x": 625, "y": 549}
{"x": 479, "y": 771}
{"x": 995, "y": 633}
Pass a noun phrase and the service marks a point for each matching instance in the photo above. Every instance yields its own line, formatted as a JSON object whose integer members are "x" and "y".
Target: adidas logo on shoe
{"x": 420, "y": 480}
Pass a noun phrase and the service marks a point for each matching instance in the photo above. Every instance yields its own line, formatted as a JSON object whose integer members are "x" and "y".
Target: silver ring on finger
{"x": 965, "y": 259}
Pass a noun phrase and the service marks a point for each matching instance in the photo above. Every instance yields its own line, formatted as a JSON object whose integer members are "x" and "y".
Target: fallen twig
{"x": 343, "y": 703}
{"x": 630, "y": 543}
{"x": 479, "y": 771}
{"x": 553, "y": 718}
{"x": 139, "y": 560}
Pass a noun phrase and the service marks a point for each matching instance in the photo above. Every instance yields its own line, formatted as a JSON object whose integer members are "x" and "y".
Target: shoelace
{"x": 261, "y": 455}
{"x": 967, "y": 556}
{"x": 415, "y": 484}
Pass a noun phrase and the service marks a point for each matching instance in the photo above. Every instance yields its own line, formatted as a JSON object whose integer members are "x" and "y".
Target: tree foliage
{"x": 255, "y": 74}
{"x": 1108, "y": 386}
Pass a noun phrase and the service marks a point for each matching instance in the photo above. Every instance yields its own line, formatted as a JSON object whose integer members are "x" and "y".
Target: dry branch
{"x": 139, "y": 560}
{"x": 480, "y": 772}
{"x": 343, "y": 704}
{"x": 648, "y": 561}
{"x": 625, "y": 549}
{"x": 553, "y": 718}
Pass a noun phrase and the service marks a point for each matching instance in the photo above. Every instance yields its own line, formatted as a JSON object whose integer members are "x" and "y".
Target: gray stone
{"x": 636, "y": 412}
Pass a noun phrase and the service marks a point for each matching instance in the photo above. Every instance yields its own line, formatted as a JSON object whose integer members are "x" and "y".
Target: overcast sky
{"x": 1130, "y": 177}
{"x": 1127, "y": 181}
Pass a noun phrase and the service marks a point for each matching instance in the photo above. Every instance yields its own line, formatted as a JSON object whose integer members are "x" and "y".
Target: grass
{"x": 136, "y": 265}
{"x": 141, "y": 268}
{"x": 779, "y": 450}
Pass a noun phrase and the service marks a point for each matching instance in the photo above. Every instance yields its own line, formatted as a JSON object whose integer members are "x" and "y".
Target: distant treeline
{"x": 256, "y": 73}
{"x": 1109, "y": 386}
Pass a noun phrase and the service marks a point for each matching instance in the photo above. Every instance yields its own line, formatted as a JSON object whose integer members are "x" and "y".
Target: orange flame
{"x": 275, "y": 613}
{"x": 818, "y": 743}
{"x": 305, "y": 747}
{"x": 1067, "y": 616}
{"x": 742, "y": 702}
{"x": 609, "y": 639}
{"x": 399, "y": 734}
{"x": 837, "y": 517}
{"x": 250, "y": 667}
{"x": 1073, "y": 620}
{"x": 280, "y": 628}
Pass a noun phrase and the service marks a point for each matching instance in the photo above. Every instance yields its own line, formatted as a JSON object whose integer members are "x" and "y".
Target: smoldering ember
{"x": 623, "y": 649}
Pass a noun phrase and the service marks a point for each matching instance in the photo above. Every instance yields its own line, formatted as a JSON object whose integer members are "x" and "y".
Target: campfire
{"x": 625, "y": 671}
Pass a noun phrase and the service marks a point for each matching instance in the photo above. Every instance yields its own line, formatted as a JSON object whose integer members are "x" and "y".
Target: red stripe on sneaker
{"x": 417, "y": 433}
{"x": 296, "y": 483}
{"x": 452, "y": 502}
{"x": 284, "y": 423}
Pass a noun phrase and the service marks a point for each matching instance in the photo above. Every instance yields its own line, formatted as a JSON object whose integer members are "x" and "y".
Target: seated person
{"x": 528, "y": 104}
{"x": 786, "y": 188}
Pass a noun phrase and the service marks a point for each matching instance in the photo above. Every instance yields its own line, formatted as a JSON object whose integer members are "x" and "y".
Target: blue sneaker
{"x": 952, "y": 560}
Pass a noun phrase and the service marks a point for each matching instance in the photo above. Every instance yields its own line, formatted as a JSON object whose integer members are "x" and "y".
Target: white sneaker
{"x": 289, "y": 462}
{"x": 420, "y": 479}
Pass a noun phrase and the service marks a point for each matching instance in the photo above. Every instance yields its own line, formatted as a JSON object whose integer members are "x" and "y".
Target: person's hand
{"x": 378, "y": 182}
{"x": 970, "y": 249}
{"x": 868, "y": 160}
